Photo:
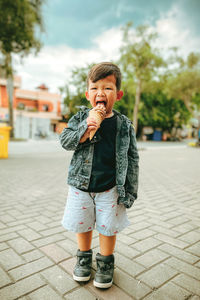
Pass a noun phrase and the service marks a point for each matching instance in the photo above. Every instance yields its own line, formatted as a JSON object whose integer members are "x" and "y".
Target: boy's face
{"x": 103, "y": 91}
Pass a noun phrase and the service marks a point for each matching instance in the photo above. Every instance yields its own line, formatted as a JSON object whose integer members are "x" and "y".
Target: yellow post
{"x": 4, "y": 138}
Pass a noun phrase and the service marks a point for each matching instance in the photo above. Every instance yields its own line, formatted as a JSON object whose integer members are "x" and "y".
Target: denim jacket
{"x": 81, "y": 164}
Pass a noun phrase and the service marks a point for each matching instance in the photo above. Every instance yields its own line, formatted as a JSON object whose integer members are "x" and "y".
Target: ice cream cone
{"x": 99, "y": 116}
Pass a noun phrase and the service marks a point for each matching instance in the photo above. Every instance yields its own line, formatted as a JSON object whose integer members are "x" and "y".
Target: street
{"x": 157, "y": 256}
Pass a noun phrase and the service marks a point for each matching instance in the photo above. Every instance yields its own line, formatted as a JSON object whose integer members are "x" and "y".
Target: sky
{"x": 78, "y": 32}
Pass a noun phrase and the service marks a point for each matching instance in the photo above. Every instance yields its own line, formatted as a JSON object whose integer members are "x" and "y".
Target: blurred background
{"x": 47, "y": 48}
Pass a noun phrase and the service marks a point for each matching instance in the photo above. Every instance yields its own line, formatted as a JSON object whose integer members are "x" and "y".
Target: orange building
{"x": 35, "y": 112}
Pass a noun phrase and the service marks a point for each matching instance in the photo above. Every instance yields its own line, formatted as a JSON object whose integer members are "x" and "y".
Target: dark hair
{"x": 103, "y": 70}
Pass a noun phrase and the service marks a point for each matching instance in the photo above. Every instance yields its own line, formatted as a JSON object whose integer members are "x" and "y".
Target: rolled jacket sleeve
{"x": 70, "y": 136}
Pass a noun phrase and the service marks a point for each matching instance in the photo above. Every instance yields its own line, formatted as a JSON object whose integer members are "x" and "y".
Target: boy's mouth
{"x": 101, "y": 102}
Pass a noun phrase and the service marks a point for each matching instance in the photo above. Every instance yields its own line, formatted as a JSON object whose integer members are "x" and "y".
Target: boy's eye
{"x": 93, "y": 88}
{"x": 108, "y": 88}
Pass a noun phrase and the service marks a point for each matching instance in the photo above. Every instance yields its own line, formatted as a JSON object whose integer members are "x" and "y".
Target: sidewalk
{"x": 157, "y": 256}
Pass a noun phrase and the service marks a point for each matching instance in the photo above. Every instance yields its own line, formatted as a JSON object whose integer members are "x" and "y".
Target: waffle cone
{"x": 98, "y": 118}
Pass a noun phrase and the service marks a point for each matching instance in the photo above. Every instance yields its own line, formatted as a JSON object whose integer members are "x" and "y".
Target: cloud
{"x": 174, "y": 30}
{"x": 53, "y": 64}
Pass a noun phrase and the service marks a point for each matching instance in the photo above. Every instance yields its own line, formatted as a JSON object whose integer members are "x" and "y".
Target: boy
{"x": 103, "y": 174}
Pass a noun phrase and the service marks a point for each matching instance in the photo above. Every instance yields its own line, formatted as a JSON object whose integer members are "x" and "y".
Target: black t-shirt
{"x": 103, "y": 176}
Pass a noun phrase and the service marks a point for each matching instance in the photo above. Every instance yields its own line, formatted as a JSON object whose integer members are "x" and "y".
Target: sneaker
{"x": 82, "y": 269}
{"x": 105, "y": 269}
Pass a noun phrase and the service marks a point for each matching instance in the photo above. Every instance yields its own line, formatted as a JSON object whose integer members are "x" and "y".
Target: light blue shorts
{"x": 83, "y": 210}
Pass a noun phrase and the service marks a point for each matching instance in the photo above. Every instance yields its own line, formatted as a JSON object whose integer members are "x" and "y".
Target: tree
{"x": 184, "y": 81}
{"x": 158, "y": 111}
{"x": 19, "y": 21}
{"x": 76, "y": 98}
{"x": 139, "y": 60}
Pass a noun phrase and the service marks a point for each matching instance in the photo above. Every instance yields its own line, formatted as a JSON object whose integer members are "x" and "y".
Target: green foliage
{"x": 19, "y": 20}
{"x": 73, "y": 100}
{"x": 184, "y": 82}
{"x": 170, "y": 91}
{"x": 157, "y": 110}
{"x": 138, "y": 58}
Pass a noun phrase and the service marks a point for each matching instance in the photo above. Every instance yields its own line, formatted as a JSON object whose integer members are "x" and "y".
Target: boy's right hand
{"x": 92, "y": 124}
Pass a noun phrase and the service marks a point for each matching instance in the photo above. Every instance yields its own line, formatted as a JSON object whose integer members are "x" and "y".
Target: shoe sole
{"x": 102, "y": 285}
{"x": 77, "y": 278}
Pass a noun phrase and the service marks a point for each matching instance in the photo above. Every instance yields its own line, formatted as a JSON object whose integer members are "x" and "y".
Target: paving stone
{"x": 164, "y": 218}
{"x": 158, "y": 275}
{"x": 179, "y": 253}
{"x": 195, "y": 298}
{"x": 112, "y": 293}
{"x": 29, "y": 234}
{"x": 146, "y": 244}
{"x": 70, "y": 235}
{"x": 69, "y": 246}
{"x": 56, "y": 253}
{"x": 32, "y": 255}
{"x": 68, "y": 265}
{"x": 139, "y": 226}
{"x": 2, "y": 226}
{"x": 8, "y": 237}
{"x": 188, "y": 283}
{"x": 169, "y": 291}
{"x": 184, "y": 267}
{"x": 42, "y": 219}
{"x": 194, "y": 249}
{"x": 82, "y": 293}
{"x": 59, "y": 279}
{"x": 127, "y": 240}
{"x": 190, "y": 237}
{"x": 4, "y": 278}
{"x": 9, "y": 259}
{"x": 170, "y": 232}
{"x": 197, "y": 265}
{"x": 30, "y": 268}
{"x": 20, "y": 245}
{"x": 130, "y": 285}
{"x": 156, "y": 221}
{"x": 184, "y": 228}
{"x": 142, "y": 234}
{"x": 52, "y": 231}
{"x": 95, "y": 243}
{"x": 55, "y": 223}
{"x": 130, "y": 266}
{"x": 3, "y": 246}
{"x": 178, "y": 220}
{"x": 21, "y": 221}
{"x": 11, "y": 229}
{"x": 151, "y": 258}
{"x": 21, "y": 287}
{"x": 126, "y": 250}
{"x": 37, "y": 226}
{"x": 167, "y": 239}
{"x": 48, "y": 240}
{"x": 45, "y": 293}
{"x": 7, "y": 218}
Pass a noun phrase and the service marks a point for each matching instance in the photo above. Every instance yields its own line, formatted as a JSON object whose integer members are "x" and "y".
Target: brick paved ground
{"x": 157, "y": 257}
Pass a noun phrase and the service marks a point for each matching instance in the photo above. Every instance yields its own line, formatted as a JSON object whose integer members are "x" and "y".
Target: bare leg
{"x": 107, "y": 244}
{"x": 84, "y": 240}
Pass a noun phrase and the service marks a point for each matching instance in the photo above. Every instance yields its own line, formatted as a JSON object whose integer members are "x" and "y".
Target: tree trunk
{"x": 10, "y": 91}
{"x": 136, "y": 107}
